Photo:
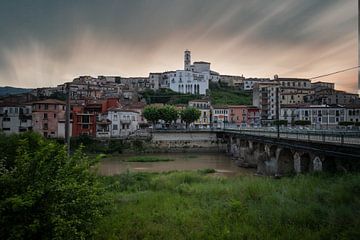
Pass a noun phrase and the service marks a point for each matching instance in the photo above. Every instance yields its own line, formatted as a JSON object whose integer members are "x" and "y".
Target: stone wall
{"x": 186, "y": 142}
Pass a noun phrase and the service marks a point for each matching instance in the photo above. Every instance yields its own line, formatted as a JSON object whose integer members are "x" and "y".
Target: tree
{"x": 190, "y": 115}
{"x": 152, "y": 114}
{"x": 302, "y": 122}
{"x": 280, "y": 122}
{"x": 44, "y": 194}
{"x": 168, "y": 113}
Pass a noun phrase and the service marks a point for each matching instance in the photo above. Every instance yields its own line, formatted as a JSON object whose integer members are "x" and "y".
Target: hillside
{"x": 12, "y": 90}
{"x": 221, "y": 95}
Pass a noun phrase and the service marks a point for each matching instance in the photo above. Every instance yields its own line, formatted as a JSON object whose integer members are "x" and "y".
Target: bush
{"x": 280, "y": 122}
{"x": 44, "y": 194}
{"x": 346, "y": 123}
{"x": 302, "y": 122}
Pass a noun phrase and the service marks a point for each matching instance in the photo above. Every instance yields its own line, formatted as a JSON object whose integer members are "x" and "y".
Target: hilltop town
{"x": 112, "y": 106}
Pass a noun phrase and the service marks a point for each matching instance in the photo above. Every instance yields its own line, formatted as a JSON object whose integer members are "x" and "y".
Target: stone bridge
{"x": 293, "y": 152}
{"x": 271, "y": 152}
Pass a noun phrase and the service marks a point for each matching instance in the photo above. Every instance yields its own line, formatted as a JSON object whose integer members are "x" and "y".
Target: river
{"x": 181, "y": 161}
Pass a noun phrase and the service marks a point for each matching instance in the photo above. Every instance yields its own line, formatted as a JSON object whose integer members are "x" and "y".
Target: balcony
{"x": 126, "y": 121}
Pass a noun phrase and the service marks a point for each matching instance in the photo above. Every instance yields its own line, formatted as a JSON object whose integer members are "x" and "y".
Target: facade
{"x": 232, "y": 81}
{"x": 15, "y": 119}
{"x": 342, "y": 98}
{"x": 123, "y": 122}
{"x": 83, "y": 122}
{"x": 352, "y": 113}
{"x": 189, "y": 82}
{"x": 265, "y": 97}
{"x": 294, "y": 90}
{"x": 205, "y": 118}
{"x": 220, "y": 116}
{"x": 318, "y": 86}
{"x": 155, "y": 80}
{"x": 248, "y": 83}
{"x": 318, "y": 115}
{"x": 46, "y": 115}
{"x": 244, "y": 116}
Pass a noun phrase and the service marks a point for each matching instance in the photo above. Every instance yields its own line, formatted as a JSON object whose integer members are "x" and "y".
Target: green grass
{"x": 148, "y": 159}
{"x": 194, "y": 205}
{"x": 230, "y": 97}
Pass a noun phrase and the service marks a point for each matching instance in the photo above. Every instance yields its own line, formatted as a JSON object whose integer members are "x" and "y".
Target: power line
{"x": 340, "y": 71}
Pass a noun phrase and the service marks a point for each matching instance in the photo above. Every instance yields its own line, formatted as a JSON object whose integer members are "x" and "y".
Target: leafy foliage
{"x": 346, "y": 123}
{"x": 280, "y": 122}
{"x": 302, "y": 122}
{"x": 152, "y": 114}
{"x": 189, "y": 115}
{"x": 168, "y": 113}
{"x": 44, "y": 194}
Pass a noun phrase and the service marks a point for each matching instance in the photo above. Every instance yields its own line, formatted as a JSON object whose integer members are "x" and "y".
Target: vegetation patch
{"x": 148, "y": 159}
{"x": 193, "y": 205}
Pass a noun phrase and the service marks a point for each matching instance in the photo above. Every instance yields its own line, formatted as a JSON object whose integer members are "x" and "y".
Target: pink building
{"x": 46, "y": 115}
{"x": 243, "y": 115}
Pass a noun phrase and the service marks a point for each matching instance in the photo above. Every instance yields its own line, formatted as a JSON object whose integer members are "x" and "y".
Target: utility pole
{"x": 277, "y": 112}
{"x": 67, "y": 118}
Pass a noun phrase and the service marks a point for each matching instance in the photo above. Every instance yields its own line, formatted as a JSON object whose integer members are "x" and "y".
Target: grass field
{"x": 197, "y": 205}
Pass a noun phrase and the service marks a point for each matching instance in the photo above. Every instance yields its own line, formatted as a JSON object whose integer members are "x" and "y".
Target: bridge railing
{"x": 326, "y": 136}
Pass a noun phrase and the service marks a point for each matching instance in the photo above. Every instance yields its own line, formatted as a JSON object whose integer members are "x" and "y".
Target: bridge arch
{"x": 285, "y": 161}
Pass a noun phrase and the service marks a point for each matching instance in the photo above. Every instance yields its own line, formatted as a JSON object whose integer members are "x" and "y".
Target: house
{"x": 203, "y": 106}
{"x": 15, "y": 118}
{"x": 123, "y": 122}
{"x": 46, "y": 115}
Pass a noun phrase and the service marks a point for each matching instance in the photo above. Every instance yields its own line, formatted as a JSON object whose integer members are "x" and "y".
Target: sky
{"x": 46, "y": 43}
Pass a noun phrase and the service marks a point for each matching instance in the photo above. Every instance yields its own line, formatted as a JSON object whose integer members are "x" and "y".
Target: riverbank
{"x": 197, "y": 205}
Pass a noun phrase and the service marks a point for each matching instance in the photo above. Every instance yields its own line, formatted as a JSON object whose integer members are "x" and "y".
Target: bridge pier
{"x": 289, "y": 154}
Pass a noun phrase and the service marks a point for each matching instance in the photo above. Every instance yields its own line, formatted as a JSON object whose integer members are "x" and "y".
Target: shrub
{"x": 44, "y": 194}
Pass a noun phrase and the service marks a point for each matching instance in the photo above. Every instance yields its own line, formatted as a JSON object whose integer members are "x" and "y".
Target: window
{"x": 85, "y": 126}
{"x": 115, "y": 127}
{"x": 45, "y": 116}
{"x": 86, "y": 119}
{"x": 54, "y": 115}
{"x": 46, "y": 106}
{"x": 6, "y": 119}
{"x": 45, "y": 127}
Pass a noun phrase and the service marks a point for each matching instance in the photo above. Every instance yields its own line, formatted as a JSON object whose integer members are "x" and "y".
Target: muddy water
{"x": 182, "y": 161}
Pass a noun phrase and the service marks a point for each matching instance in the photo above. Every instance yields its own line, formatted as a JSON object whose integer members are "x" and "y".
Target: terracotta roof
{"x": 50, "y": 101}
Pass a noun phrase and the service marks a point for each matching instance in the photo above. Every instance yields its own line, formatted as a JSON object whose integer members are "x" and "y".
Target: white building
{"x": 318, "y": 115}
{"x": 194, "y": 79}
{"x": 123, "y": 122}
{"x": 205, "y": 117}
{"x": 266, "y": 96}
{"x": 183, "y": 81}
{"x": 15, "y": 119}
{"x": 220, "y": 115}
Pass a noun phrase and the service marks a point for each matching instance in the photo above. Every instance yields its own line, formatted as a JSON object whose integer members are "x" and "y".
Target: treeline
{"x": 169, "y": 114}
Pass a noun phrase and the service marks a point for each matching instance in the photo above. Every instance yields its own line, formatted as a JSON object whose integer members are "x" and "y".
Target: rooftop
{"x": 49, "y": 101}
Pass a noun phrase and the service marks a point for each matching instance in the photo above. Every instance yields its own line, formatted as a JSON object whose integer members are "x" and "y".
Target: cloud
{"x": 49, "y": 42}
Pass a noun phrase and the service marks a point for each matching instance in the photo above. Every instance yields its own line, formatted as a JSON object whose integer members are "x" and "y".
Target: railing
{"x": 324, "y": 136}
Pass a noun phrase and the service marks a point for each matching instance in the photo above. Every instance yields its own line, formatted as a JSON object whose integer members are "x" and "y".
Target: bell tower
{"x": 187, "y": 60}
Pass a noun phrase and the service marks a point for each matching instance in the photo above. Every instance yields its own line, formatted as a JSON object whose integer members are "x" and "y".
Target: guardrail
{"x": 324, "y": 136}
